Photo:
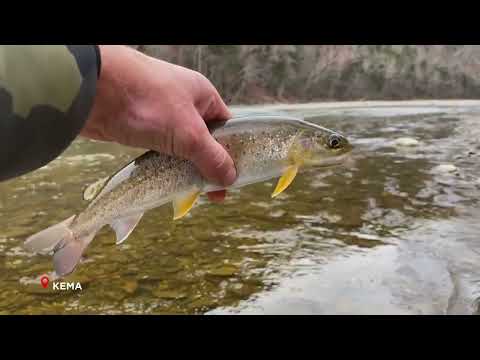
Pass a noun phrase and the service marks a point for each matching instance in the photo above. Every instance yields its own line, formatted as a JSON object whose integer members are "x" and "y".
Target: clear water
{"x": 388, "y": 233}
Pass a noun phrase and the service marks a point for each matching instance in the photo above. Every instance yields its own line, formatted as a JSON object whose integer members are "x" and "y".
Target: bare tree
{"x": 256, "y": 73}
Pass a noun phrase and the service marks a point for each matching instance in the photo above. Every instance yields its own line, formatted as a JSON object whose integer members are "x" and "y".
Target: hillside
{"x": 250, "y": 74}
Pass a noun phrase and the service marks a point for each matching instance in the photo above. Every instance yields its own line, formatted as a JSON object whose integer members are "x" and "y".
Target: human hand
{"x": 152, "y": 104}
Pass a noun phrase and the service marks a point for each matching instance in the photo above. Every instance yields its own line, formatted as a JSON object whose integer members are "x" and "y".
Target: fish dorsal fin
{"x": 94, "y": 189}
{"x": 124, "y": 227}
{"x": 184, "y": 202}
{"x": 106, "y": 184}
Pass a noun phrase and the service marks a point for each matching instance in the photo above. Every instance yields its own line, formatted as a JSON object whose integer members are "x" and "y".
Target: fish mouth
{"x": 331, "y": 161}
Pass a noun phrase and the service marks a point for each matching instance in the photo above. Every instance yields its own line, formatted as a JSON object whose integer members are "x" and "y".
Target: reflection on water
{"x": 387, "y": 233}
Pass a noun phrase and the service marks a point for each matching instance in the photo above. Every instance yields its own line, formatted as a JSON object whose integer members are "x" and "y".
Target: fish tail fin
{"x": 46, "y": 240}
{"x": 61, "y": 240}
{"x": 67, "y": 257}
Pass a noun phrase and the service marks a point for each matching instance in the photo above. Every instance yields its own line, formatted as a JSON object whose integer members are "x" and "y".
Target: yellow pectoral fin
{"x": 285, "y": 180}
{"x": 183, "y": 203}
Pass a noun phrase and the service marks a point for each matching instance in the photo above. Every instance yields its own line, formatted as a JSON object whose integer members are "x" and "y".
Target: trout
{"x": 263, "y": 147}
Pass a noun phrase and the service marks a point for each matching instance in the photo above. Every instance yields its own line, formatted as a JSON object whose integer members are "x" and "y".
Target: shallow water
{"x": 388, "y": 233}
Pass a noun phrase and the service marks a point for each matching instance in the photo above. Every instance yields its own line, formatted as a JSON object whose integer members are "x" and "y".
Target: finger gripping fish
{"x": 262, "y": 147}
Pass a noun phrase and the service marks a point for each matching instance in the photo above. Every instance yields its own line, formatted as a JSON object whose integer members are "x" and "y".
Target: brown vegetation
{"x": 250, "y": 74}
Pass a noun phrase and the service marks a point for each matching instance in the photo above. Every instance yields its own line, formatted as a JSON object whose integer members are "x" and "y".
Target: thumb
{"x": 212, "y": 160}
{"x": 217, "y": 111}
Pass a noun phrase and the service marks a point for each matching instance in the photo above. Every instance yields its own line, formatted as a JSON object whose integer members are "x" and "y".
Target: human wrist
{"x": 111, "y": 100}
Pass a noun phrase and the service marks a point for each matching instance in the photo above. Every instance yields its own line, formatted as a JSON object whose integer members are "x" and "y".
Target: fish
{"x": 263, "y": 147}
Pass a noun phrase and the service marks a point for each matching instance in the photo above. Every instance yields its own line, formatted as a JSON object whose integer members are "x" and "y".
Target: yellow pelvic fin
{"x": 285, "y": 180}
{"x": 183, "y": 203}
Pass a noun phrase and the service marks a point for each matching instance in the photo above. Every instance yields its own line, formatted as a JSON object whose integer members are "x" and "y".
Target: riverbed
{"x": 393, "y": 231}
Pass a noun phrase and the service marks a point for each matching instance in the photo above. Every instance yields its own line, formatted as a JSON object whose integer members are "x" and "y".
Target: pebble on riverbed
{"x": 445, "y": 168}
{"x": 406, "y": 141}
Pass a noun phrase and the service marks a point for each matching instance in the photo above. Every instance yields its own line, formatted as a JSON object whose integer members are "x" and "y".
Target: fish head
{"x": 322, "y": 147}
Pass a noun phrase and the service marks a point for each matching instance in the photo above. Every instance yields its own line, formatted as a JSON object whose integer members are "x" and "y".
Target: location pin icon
{"x": 44, "y": 281}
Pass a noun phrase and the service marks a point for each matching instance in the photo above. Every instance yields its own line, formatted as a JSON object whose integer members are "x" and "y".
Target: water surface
{"x": 388, "y": 233}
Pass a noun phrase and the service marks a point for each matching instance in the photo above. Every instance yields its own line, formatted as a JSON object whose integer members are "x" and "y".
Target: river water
{"x": 394, "y": 231}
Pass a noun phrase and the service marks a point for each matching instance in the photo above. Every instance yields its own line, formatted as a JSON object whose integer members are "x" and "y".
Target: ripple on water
{"x": 386, "y": 233}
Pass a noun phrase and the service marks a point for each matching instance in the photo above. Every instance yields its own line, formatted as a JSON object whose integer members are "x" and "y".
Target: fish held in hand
{"x": 263, "y": 147}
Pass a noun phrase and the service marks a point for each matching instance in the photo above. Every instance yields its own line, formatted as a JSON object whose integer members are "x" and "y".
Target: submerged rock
{"x": 224, "y": 271}
{"x": 130, "y": 286}
{"x": 407, "y": 142}
{"x": 169, "y": 294}
{"x": 445, "y": 168}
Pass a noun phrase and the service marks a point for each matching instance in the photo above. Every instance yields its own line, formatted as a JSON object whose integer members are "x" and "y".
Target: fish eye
{"x": 334, "y": 141}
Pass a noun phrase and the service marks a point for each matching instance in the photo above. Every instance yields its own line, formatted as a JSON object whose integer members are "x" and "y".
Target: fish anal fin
{"x": 183, "y": 203}
{"x": 123, "y": 227}
{"x": 285, "y": 180}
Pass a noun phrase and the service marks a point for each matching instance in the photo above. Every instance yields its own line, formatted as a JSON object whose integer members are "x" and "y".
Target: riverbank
{"x": 253, "y": 74}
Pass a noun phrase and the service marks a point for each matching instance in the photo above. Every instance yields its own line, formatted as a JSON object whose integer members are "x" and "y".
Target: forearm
{"x": 46, "y": 95}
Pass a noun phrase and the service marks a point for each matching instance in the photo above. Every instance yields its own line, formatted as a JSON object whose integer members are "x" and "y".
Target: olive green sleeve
{"x": 46, "y": 95}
